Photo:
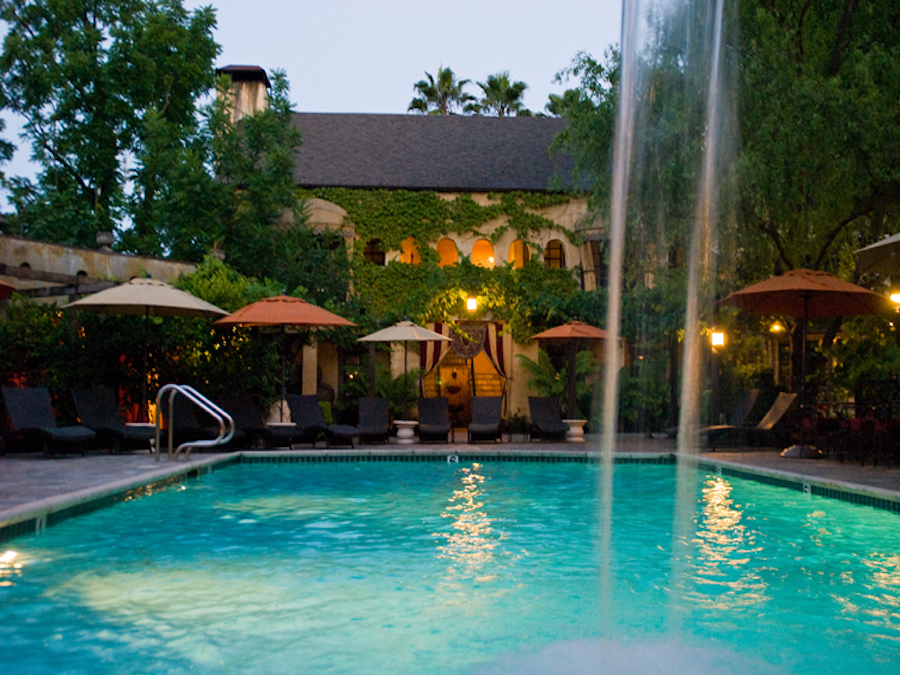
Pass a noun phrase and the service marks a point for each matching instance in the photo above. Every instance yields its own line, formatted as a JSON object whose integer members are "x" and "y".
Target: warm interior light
{"x": 471, "y": 304}
{"x": 895, "y": 298}
{"x": 717, "y": 338}
{"x": 776, "y": 327}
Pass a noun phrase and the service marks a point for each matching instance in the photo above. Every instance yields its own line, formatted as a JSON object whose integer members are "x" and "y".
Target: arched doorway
{"x": 466, "y": 369}
{"x": 483, "y": 254}
{"x": 449, "y": 254}
{"x": 409, "y": 252}
{"x": 518, "y": 254}
{"x": 555, "y": 254}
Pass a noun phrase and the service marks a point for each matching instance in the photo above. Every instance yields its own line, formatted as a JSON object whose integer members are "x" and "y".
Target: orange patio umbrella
{"x": 283, "y": 311}
{"x": 806, "y": 294}
{"x": 571, "y": 332}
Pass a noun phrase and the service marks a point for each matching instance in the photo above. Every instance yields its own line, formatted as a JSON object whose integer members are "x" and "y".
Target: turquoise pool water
{"x": 454, "y": 568}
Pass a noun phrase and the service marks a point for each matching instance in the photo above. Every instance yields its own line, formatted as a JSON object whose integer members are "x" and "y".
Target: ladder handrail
{"x": 201, "y": 402}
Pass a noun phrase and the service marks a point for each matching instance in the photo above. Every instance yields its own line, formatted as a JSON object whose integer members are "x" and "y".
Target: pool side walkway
{"x": 34, "y": 487}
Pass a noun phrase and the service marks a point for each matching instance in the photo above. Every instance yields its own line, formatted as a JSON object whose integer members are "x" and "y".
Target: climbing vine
{"x": 393, "y": 215}
{"x": 524, "y": 297}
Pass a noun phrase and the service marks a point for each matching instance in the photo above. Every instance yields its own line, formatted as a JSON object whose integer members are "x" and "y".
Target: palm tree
{"x": 440, "y": 96}
{"x": 502, "y": 96}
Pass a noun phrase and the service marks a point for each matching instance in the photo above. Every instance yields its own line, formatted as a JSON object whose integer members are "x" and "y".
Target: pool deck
{"x": 34, "y": 487}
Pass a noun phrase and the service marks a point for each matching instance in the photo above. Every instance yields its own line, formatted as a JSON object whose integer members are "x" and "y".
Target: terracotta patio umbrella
{"x": 571, "y": 332}
{"x": 5, "y": 290}
{"x": 146, "y": 297}
{"x": 402, "y": 331}
{"x": 283, "y": 311}
{"x": 806, "y": 294}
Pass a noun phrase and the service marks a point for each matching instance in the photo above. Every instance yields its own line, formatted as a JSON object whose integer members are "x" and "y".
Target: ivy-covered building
{"x": 417, "y": 190}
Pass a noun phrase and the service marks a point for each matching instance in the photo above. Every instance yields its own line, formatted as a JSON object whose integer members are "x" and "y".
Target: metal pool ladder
{"x": 169, "y": 392}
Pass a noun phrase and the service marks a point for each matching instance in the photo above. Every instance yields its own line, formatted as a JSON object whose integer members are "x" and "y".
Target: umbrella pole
{"x": 145, "y": 408}
{"x": 371, "y": 370}
{"x": 283, "y": 380}
{"x": 803, "y": 374}
{"x": 570, "y": 384}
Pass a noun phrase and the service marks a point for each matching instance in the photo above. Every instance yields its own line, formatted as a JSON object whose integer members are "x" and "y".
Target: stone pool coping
{"x": 47, "y": 492}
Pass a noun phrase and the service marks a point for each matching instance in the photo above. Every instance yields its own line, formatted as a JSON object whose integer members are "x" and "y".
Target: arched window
{"x": 519, "y": 254}
{"x": 483, "y": 254}
{"x": 449, "y": 255}
{"x": 373, "y": 253}
{"x": 555, "y": 254}
{"x": 409, "y": 252}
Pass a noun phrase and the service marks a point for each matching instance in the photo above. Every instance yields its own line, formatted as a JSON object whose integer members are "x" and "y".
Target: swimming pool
{"x": 454, "y": 568}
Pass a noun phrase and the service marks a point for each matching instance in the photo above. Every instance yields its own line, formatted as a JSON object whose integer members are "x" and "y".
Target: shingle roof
{"x": 421, "y": 152}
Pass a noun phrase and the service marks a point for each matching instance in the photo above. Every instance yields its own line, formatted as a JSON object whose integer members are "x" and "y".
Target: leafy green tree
{"x": 85, "y": 75}
{"x": 6, "y": 148}
{"x": 590, "y": 109}
{"x": 501, "y": 97}
{"x": 441, "y": 95}
{"x": 819, "y": 126}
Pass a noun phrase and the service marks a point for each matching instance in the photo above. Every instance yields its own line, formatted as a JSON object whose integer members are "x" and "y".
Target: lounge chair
{"x": 487, "y": 417}
{"x": 768, "y": 432}
{"x": 738, "y": 418}
{"x": 31, "y": 414}
{"x": 434, "y": 419}
{"x": 374, "y": 420}
{"x": 98, "y": 410}
{"x": 546, "y": 419}
{"x": 247, "y": 420}
{"x": 307, "y": 414}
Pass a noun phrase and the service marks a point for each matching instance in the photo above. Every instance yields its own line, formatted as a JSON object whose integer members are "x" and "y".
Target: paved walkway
{"x": 30, "y": 483}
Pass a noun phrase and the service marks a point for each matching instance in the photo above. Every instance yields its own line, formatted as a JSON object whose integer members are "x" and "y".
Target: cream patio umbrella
{"x": 882, "y": 256}
{"x": 147, "y": 298}
{"x": 402, "y": 331}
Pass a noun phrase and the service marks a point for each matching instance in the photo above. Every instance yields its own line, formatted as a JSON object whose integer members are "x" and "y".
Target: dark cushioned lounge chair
{"x": 546, "y": 420}
{"x": 99, "y": 411}
{"x": 738, "y": 418}
{"x": 247, "y": 420}
{"x": 487, "y": 418}
{"x": 374, "y": 420}
{"x": 305, "y": 411}
{"x": 771, "y": 431}
{"x": 434, "y": 419}
{"x": 31, "y": 414}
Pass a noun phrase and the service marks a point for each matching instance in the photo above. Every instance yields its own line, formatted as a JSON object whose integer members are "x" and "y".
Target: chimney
{"x": 249, "y": 90}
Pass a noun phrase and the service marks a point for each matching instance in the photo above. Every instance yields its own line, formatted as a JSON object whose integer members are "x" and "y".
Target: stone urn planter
{"x": 575, "y": 434}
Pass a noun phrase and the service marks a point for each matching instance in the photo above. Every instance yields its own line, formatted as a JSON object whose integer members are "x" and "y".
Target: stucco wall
{"x": 71, "y": 260}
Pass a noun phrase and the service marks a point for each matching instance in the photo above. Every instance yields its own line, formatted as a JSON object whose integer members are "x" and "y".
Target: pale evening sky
{"x": 364, "y": 56}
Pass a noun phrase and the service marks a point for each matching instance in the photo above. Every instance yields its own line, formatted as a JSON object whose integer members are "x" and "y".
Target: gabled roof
{"x": 422, "y": 152}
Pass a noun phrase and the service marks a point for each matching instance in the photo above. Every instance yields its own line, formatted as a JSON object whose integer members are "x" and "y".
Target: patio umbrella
{"x": 402, "y": 331}
{"x": 882, "y": 256}
{"x": 806, "y": 294}
{"x": 146, "y": 297}
{"x": 283, "y": 311}
{"x": 571, "y": 332}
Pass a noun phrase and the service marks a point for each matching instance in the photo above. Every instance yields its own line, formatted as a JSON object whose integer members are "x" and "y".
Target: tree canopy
{"x": 820, "y": 131}
{"x": 501, "y": 97}
{"x": 92, "y": 82}
{"x": 441, "y": 95}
